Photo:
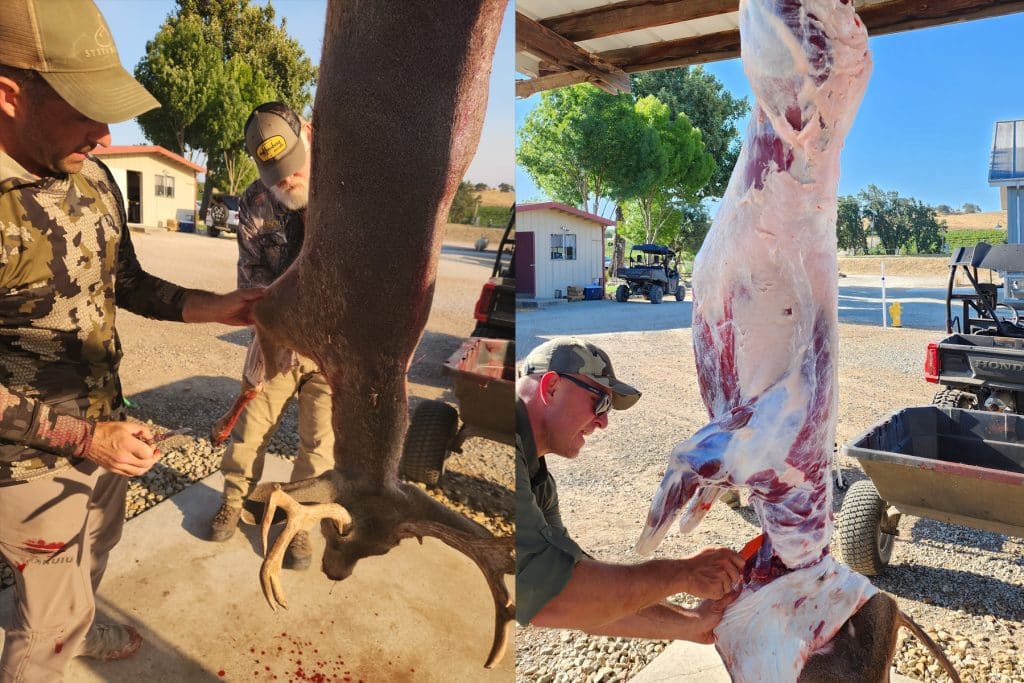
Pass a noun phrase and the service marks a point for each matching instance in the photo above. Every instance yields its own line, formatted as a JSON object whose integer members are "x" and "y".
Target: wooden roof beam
{"x": 880, "y": 19}
{"x": 634, "y": 15}
{"x": 548, "y": 46}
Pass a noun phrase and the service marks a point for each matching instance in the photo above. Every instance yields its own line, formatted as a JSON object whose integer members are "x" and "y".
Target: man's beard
{"x": 294, "y": 198}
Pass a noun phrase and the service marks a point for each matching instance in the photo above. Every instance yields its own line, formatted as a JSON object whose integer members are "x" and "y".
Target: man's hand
{"x": 233, "y": 308}
{"x": 712, "y": 572}
{"x": 706, "y": 617}
{"x": 122, "y": 448}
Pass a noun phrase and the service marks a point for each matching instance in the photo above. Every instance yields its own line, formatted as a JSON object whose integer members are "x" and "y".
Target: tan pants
{"x": 242, "y": 464}
{"x": 56, "y": 533}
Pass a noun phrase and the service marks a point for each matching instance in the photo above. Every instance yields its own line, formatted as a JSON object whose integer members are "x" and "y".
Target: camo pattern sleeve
{"x": 60, "y": 254}
{"x": 264, "y": 248}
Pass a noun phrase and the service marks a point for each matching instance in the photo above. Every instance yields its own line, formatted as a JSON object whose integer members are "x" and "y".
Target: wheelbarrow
{"x": 948, "y": 464}
{"x": 483, "y": 380}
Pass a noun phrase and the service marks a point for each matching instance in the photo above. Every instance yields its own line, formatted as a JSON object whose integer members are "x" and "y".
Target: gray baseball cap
{"x": 273, "y": 140}
{"x": 68, "y": 43}
{"x": 574, "y": 356}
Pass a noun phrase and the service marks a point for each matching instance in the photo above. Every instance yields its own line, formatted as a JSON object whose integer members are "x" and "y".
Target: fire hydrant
{"x": 895, "y": 312}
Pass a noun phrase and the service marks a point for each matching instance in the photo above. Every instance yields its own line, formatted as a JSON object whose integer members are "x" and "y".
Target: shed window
{"x": 563, "y": 247}
{"x": 164, "y": 186}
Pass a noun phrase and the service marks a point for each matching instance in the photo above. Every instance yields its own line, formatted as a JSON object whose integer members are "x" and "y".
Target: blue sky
{"x": 925, "y": 126}
{"x": 133, "y": 22}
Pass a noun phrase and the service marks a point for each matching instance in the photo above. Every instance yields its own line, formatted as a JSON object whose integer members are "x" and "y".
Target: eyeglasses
{"x": 604, "y": 403}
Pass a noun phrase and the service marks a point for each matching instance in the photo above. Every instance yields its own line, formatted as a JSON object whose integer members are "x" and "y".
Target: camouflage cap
{"x": 69, "y": 44}
{"x": 576, "y": 357}
{"x": 273, "y": 138}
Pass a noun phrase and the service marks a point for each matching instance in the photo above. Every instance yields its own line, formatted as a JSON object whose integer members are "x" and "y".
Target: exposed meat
{"x": 764, "y": 330}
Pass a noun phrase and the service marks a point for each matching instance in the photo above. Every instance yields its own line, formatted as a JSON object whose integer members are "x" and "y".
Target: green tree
{"x": 971, "y": 208}
{"x": 850, "y": 231}
{"x": 944, "y": 208}
{"x": 464, "y": 204}
{"x": 694, "y": 223}
{"x": 901, "y": 222}
{"x": 209, "y": 65}
{"x": 679, "y": 167}
{"x": 505, "y": 187}
{"x": 581, "y": 144}
{"x": 710, "y": 108}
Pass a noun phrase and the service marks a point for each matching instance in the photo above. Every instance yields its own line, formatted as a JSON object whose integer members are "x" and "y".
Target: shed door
{"x": 526, "y": 281}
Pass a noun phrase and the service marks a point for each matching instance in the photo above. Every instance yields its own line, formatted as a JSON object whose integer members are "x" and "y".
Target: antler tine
{"x": 494, "y": 558}
{"x": 300, "y": 517}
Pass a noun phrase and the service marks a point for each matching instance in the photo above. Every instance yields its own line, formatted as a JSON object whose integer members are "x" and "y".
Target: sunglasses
{"x": 604, "y": 403}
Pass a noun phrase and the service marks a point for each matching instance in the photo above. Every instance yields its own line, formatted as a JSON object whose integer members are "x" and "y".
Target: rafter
{"x": 633, "y": 15}
{"x": 547, "y": 45}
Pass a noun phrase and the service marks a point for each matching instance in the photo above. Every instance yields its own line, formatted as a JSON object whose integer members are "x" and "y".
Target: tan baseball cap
{"x": 273, "y": 140}
{"x": 69, "y": 44}
{"x": 573, "y": 356}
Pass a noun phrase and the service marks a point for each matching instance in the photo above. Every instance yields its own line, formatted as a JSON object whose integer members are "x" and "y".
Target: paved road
{"x": 860, "y": 302}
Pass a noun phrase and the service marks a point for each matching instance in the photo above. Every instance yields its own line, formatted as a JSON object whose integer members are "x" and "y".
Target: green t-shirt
{"x": 545, "y": 555}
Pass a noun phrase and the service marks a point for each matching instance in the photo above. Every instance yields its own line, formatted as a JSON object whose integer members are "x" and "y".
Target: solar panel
{"x": 1007, "y": 164}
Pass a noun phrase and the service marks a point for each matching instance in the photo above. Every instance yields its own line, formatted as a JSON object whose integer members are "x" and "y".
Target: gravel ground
{"x": 965, "y": 587}
{"x": 185, "y": 376}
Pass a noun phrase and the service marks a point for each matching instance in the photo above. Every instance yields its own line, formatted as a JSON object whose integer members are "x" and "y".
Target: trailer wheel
{"x": 622, "y": 293}
{"x": 431, "y": 430}
{"x": 655, "y": 294}
{"x": 680, "y": 292}
{"x": 866, "y": 533}
{"x": 954, "y": 398}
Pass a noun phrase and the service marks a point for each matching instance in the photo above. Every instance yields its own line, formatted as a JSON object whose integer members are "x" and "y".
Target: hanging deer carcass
{"x": 398, "y": 112}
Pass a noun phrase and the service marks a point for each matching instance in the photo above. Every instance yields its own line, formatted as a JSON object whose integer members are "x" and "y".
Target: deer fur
{"x": 863, "y": 649}
{"x": 398, "y": 112}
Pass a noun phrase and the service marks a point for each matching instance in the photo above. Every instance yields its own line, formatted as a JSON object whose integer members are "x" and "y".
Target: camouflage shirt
{"x": 66, "y": 260}
{"x": 269, "y": 238}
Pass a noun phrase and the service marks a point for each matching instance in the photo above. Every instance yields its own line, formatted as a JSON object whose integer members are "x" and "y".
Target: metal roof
{"x": 1006, "y": 167}
{"x": 562, "y": 42}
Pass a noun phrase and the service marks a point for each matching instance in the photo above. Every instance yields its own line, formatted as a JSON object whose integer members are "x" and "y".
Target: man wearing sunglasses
{"x": 565, "y": 391}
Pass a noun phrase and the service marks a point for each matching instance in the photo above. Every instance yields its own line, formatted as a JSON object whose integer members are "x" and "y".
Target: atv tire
{"x": 866, "y": 532}
{"x": 954, "y": 398}
{"x": 680, "y": 292}
{"x": 655, "y": 294}
{"x": 622, "y": 293}
{"x": 427, "y": 442}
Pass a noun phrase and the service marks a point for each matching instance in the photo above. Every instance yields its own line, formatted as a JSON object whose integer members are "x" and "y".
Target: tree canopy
{"x": 209, "y": 65}
{"x": 900, "y": 222}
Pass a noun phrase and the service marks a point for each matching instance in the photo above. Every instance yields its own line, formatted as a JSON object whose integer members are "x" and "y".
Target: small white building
{"x": 557, "y": 246}
{"x": 156, "y": 184}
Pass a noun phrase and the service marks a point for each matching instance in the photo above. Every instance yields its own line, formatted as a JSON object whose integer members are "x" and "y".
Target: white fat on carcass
{"x": 800, "y": 606}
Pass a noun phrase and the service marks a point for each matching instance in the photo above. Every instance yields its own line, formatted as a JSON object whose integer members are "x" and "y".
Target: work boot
{"x": 299, "y": 554}
{"x": 225, "y": 522}
{"x": 110, "y": 642}
{"x": 731, "y": 497}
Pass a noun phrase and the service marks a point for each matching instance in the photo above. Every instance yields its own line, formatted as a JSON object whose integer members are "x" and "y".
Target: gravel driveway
{"x": 185, "y": 376}
{"x": 964, "y": 586}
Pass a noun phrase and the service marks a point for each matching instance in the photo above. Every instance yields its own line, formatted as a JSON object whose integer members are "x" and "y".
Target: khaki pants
{"x": 56, "y": 533}
{"x": 242, "y": 464}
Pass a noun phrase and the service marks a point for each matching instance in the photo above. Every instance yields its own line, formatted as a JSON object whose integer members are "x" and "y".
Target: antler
{"x": 494, "y": 558}
{"x": 300, "y": 518}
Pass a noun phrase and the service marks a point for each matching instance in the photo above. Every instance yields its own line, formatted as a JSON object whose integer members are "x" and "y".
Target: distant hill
{"x": 496, "y": 198}
{"x": 985, "y": 220}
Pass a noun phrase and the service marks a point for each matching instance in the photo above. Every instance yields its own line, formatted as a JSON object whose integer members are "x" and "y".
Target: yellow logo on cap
{"x": 270, "y": 148}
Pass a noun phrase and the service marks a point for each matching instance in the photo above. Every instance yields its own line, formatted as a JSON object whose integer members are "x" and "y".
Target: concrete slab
{"x": 419, "y": 613}
{"x": 683, "y": 662}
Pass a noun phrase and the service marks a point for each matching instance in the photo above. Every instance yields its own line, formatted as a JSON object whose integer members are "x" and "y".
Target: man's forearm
{"x": 199, "y": 307}
{"x": 660, "y": 621}
{"x": 599, "y": 594}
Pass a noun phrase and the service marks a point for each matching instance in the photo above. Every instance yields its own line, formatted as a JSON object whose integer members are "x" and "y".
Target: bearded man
{"x": 271, "y": 228}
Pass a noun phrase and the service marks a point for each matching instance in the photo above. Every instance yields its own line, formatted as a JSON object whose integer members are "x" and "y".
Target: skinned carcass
{"x": 765, "y": 337}
{"x": 398, "y": 112}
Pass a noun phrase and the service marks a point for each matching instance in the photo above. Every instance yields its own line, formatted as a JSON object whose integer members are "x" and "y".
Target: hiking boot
{"x": 110, "y": 642}
{"x": 731, "y": 497}
{"x": 224, "y": 523}
{"x": 299, "y": 554}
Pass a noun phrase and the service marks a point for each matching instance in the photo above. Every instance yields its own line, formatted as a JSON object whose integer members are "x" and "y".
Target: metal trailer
{"x": 948, "y": 464}
{"x": 483, "y": 379}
